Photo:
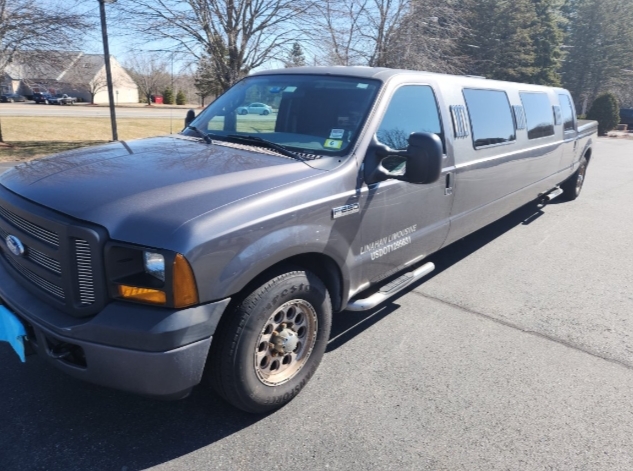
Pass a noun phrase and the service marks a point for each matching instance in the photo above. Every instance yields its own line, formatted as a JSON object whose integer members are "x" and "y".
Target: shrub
{"x": 180, "y": 98}
{"x": 606, "y": 110}
{"x": 168, "y": 96}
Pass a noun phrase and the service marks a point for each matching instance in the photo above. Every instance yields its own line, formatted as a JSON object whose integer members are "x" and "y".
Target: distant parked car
{"x": 62, "y": 99}
{"x": 42, "y": 98}
{"x": 11, "y": 97}
{"x": 626, "y": 116}
{"x": 255, "y": 108}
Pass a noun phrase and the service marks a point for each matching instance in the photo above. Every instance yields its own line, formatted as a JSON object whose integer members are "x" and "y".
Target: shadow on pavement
{"x": 53, "y": 422}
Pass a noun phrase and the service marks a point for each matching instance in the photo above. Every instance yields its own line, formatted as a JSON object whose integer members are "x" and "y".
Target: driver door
{"x": 404, "y": 222}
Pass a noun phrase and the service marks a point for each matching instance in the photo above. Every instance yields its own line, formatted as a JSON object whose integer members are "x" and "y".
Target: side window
{"x": 490, "y": 117}
{"x": 568, "y": 113}
{"x": 539, "y": 114}
{"x": 412, "y": 109}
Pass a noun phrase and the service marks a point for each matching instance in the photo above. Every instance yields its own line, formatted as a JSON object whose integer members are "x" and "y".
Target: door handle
{"x": 448, "y": 190}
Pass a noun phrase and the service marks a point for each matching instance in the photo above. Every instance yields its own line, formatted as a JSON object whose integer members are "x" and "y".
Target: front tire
{"x": 268, "y": 348}
{"x": 573, "y": 185}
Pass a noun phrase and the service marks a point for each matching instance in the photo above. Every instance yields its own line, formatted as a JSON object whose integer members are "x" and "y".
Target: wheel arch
{"x": 322, "y": 265}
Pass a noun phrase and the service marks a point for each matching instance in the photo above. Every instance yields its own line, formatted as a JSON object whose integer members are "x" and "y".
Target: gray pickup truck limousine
{"x": 225, "y": 249}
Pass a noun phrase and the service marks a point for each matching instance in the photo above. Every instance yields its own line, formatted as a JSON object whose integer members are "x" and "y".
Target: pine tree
{"x": 168, "y": 96}
{"x": 181, "y": 99}
{"x": 600, "y": 45}
{"x": 206, "y": 81}
{"x": 295, "y": 57}
{"x": 547, "y": 38}
{"x": 500, "y": 42}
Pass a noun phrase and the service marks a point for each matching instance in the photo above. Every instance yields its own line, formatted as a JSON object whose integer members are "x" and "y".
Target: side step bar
{"x": 391, "y": 289}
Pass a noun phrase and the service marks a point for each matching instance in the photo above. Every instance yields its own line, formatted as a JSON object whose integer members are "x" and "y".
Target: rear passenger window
{"x": 539, "y": 114}
{"x": 568, "y": 113}
{"x": 490, "y": 117}
{"x": 412, "y": 109}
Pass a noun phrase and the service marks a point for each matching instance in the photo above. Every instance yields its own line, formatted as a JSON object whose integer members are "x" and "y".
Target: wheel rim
{"x": 581, "y": 178}
{"x": 285, "y": 343}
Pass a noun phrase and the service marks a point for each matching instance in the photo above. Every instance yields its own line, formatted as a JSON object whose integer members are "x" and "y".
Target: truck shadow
{"x": 51, "y": 421}
{"x": 347, "y": 325}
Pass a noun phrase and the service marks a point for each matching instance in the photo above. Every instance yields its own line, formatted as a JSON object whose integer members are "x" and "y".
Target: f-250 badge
{"x": 345, "y": 210}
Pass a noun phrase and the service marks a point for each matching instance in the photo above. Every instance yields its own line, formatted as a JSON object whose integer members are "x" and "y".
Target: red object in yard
{"x": 157, "y": 99}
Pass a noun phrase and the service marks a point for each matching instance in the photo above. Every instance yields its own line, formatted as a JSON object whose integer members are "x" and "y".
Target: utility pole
{"x": 106, "y": 56}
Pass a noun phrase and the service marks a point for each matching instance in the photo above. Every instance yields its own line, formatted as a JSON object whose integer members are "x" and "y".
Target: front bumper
{"x": 135, "y": 348}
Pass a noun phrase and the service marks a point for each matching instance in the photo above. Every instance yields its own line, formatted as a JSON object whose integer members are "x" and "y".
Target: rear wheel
{"x": 269, "y": 347}
{"x": 265, "y": 112}
{"x": 573, "y": 185}
{"x": 243, "y": 112}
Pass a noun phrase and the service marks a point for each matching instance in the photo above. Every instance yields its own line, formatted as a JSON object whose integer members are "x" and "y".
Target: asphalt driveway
{"x": 516, "y": 353}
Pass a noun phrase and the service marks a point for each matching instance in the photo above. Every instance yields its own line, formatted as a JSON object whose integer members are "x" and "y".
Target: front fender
{"x": 227, "y": 272}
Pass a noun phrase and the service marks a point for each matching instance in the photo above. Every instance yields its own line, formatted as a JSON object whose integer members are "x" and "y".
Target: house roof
{"x": 40, "y": 65}
{"x": 84, "y": 69}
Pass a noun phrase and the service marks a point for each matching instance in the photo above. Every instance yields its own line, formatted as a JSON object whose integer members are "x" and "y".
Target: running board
{"x": 390, "y": 289}
{"x": 555, "y": 193}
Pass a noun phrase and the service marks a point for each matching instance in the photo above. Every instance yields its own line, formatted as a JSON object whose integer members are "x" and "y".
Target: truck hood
{"x": 140, "y": 188}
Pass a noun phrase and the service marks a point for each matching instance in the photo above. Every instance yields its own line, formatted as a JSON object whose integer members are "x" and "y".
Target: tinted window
{"x": 490, "y": 117}
{"x": 568, "y": 112}
{"x": 539, "y": 114}
{"x": 412, "y": 109}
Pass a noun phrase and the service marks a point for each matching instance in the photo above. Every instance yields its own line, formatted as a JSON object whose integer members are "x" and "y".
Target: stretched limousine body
{"x": 138, "y": 265}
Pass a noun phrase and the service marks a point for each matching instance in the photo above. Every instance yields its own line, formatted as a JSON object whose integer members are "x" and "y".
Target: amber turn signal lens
{"x": 145, "y": 295}
{"x": 185, "y": 289}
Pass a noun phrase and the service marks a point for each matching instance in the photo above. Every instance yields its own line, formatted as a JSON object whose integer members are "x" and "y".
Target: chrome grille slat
{"x": 37, "y": 280}
{"x": 31, "y": 229}
{"x": 44, "y": 260}
{"x": 85, "y": 276}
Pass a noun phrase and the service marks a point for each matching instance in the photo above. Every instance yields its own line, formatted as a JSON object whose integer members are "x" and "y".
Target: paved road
{"x": 32, "y": 109}
{"x": 517, "y": 353}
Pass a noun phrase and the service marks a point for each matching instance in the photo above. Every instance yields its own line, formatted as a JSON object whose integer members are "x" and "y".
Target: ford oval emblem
{"x": 15, "y": 246}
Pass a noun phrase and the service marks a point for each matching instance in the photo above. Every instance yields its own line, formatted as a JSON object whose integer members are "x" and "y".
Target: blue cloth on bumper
{"x": 12, "y": 331}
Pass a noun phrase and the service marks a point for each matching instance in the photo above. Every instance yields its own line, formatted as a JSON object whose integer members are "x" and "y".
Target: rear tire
{"x": 573, "y": 185}
{"x": 268, "y": 348}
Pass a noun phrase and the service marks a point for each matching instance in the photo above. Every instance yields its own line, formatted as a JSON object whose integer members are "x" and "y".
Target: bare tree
{"x": 150, "y": 75}
{"x": 237, "y": 35}
{"x": 412, "y": 34}
{"x": 337, "y": 35}
{"x": 29, "y": 26}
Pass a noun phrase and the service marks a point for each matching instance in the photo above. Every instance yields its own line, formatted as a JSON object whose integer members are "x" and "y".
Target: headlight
{"x": 154, "y": 265}
{"x": 149, "y": 276}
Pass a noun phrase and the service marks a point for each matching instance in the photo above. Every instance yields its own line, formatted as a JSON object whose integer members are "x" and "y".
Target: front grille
{"x": 59, "y": 255}
{"x": 36, "y": 279}
{"x": 83, "y": 256}
{"x": 31, "y": 229}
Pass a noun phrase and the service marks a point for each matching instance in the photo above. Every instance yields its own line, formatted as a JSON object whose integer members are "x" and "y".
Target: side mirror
{"x": 191, "y": 115}
{"x": 420, "y": 162}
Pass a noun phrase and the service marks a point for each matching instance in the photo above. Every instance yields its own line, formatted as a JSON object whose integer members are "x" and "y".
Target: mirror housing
{"x": 191, "y": 115}
{"x": 423, "y": 157}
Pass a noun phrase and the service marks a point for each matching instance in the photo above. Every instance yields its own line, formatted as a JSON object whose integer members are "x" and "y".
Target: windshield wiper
{"x": 204, "y": 135}
{"x": 273, "y": 145}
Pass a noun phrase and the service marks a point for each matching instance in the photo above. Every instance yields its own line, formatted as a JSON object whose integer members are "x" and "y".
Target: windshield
{"x": 312, "y": 114}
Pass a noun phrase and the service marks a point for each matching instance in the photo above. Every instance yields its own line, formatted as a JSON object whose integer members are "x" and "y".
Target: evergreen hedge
{"x": 606, "y": 110}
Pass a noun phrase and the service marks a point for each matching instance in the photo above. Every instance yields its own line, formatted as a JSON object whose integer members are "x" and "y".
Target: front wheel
{"x": 268, "y": 348}
{"x": 265, "y": 112}
{"x": 243, "y": 112}
{"x": 573, "y": 185}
